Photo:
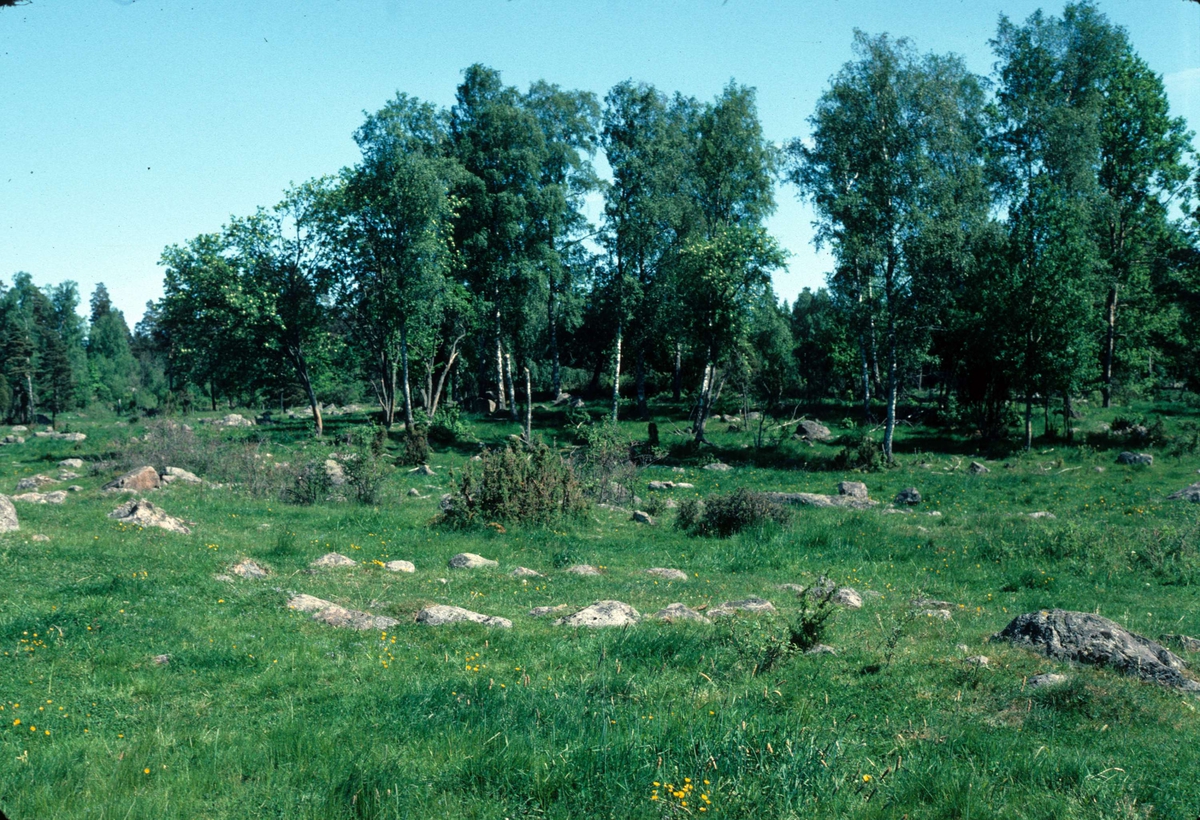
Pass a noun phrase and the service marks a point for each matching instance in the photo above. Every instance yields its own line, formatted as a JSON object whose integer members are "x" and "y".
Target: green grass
{"x": 262, "y": 712}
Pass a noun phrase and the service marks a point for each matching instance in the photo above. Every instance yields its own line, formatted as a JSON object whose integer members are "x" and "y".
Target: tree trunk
{"x": 212, "y": 394}
{"x": 441, "y": 381}
{"x": 643, "y": 408}
{"x": 703, "y": 400}
{"x": 555, "y": 371}
{"x": 513, "y": 412}
{"x": 677, "y": 380}
{"x": 1028, "y": 420}
{"x": 501, "y": 401}
{"x": 301, "y": 364}
{"x": 1068, "y": 422}
{"x": 1110, "y": 346}
{"x": 889, "y": 427}
{"x": 616, "y": 394}
{"x": 866, "y": 380}
{"x": 528, "y": 408}
{"x": 408, "y": 410}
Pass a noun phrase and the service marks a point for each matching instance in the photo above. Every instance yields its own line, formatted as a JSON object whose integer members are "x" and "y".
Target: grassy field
{"x": 263, "y": 713}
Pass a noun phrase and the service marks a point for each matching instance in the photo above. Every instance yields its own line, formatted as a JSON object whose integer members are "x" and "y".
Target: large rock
{"x": 144, "y": 514}
{"x": 1090, "y": 639}
{"x": 667, "y": 574}
{"x": 332, "y": 560}
{"x": 56, "y": 497}
{"x": 818, "y": 500}
{"x": 1190, "y": 493}
{"x": 400, "y": 566}
{"x": 139, "y": 480}
{"x": 813, "y": 431}
{"x": 1135, "y": 459}
{"x": 469, "y": 560}
{"x": 909, "y": 495}
{"x": 8, "y": 516}
{"x": 233, "y": 420}
{"x": 852, "y": 489}
{"x": 178, "y": 474}
{"x": 602, "y": 613}
{"x": 440, "y": 614}
{"x": 755, "y": 605}
{"x": 35, "y": 482}
{"x": 11, "y": 439}
{"x": 250, "y": 570}
{"x": 332, "y": 614}
{"x": 679, "y": 612}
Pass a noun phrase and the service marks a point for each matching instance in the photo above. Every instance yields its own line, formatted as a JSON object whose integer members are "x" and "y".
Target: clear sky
{"x": 128, "y": 125}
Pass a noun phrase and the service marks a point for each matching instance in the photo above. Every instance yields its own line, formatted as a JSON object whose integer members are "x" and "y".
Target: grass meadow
{"x": 263, "y": 713}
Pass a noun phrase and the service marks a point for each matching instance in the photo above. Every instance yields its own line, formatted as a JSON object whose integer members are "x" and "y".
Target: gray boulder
{"x": 331, "y": 560}
{"x": 642, "y": 517}
{"x": 1135, "y": 459}
{"x": 582, "y": 569}
{"x": 1046, "y": 679}
{"x": 813, "y": 431}
{"x": 754, "y": 605}
{"x": 8, "y": 516}
{"x": 909, "y": 495}
{"x": 526, "y": 572}
{"x": 250, "y": 570}
{"x": 1090, "y": 639}
{"x": 718, "y": 467}
{"x": 178, "y": 474}
{"x": 332, "y": 614}
{"x": 679, "y": 612}
{"x": 144, "y": 514}
{"x": 441, "y": 614}
{"x": 1190, "y": 493}
{"x": 602, "y": 613}
{"x": 667, "y": 574}
{"x": 141, "y": 479}
{"x": 543, "y": 611}
{"x": 469, "y": 560}
{"x": 56, "y": 497}
{"x": 400, "y": 566}
{"x": 852, "y": 489}
{"x": 978, "y": 468}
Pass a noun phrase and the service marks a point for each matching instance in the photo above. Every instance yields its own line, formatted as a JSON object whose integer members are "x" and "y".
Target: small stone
{"x": 71, "y": 463}
{"x": 250, "y": 570}
{"x": 718, "y": 467}
{"x": 1190, "y": 493}
{"x": 679, "y": 612}
{"x": 963, "y": 648}
{"x": 526, "y": 572}
{"x": 930, "y": 603}
{"x": 1097, "y": 469}
{"x": 977, "y": 660}
{"x": 668, "y": 574}
{"x": 424, "y": 469}
{"x": 75, "y": 488}
{"x": 415, "y": 493}
{"x": 978, "y": 468}
{"x": 909, "y": 495}
{"x": 582, "y": 569}
{"x": 821, "y": 649}
{"x": 67, "y": 475}
{"x": 543, "y": 611}
{"x": 1184, "y": 642}
{"x": 469, "y": 560}
{"x": 661, "y": 485}
{"x": 178, "y": 474}
{"x": 440, "y": 614}
{"x": 936, "y": 614}
{"x": 162, "y": 660}
{"x": 1046, "y": 679}
{"x": 35, "y": 482}
{"x": 1041, "y": 514}
{"x": 813, "y": 431}
{"x": 848, "y": 598}
{"x": 642, "y": 517}
{"x": 39, "y": 538}
{"x": 400, "y": 566}
{"x": 333, "y": 559}
{"x": 601, "y": 614}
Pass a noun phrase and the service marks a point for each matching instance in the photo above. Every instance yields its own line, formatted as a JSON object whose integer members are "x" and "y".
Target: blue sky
{"x": 128, "y": 125}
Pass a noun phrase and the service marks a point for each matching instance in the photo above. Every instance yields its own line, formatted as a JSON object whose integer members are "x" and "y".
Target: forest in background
{"x": 1006, "y": 245}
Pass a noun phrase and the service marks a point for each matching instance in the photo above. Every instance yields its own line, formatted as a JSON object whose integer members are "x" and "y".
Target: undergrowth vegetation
{"x": 135, "y": 672}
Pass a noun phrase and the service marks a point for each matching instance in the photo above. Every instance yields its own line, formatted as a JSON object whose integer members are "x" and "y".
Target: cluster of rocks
{"x": 230, "y": 420}
{"x": 143, "y": 479}
{"x": 141, "y": 513}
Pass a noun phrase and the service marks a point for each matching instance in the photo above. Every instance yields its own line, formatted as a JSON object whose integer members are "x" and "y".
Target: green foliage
{"x": 310, "y": 484}
{"x": 448, "y": 426}
{"x": 860, "y": 451}
{"x": 725, "y": 515}
{"x": 414, "y": 448}
{"x": 525, "y": 485}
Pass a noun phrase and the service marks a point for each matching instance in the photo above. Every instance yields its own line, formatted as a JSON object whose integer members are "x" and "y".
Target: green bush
{"x": 526, "y": 485}
{"x": 447, "y": 426}
{"x": 414, "y": 448}
{"x": 724, "y": 515}
{"x": 310, "y": 484}
{"x": 860, "y": 451}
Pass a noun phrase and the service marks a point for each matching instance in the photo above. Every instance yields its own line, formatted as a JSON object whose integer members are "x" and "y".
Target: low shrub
{"x": 448, "y": 427}
{"x": 414, "y": 449}
{"x": 860, "y": 451}
{"x": 724, "y": 515}
{"x": 526, "y": 484}
{"x": 310, "y": 484}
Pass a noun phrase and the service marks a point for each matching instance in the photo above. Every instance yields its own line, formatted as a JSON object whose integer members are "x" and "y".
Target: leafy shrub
{"x": 362, "y": 467}
{"x": 687, "y": 517}
{"x": 860, "y": 451}
{"x": 528, "y": 484}
{"x": 603, "y": 466}
{"x": 447, "y": 426}
{"x": 724, "y": 515}
{"x": 310, "y": 484}
{"x": 766, "y": 644}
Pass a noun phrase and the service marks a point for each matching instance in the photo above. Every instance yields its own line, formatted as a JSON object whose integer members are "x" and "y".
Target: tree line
{"x": 1010, "y": 243}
